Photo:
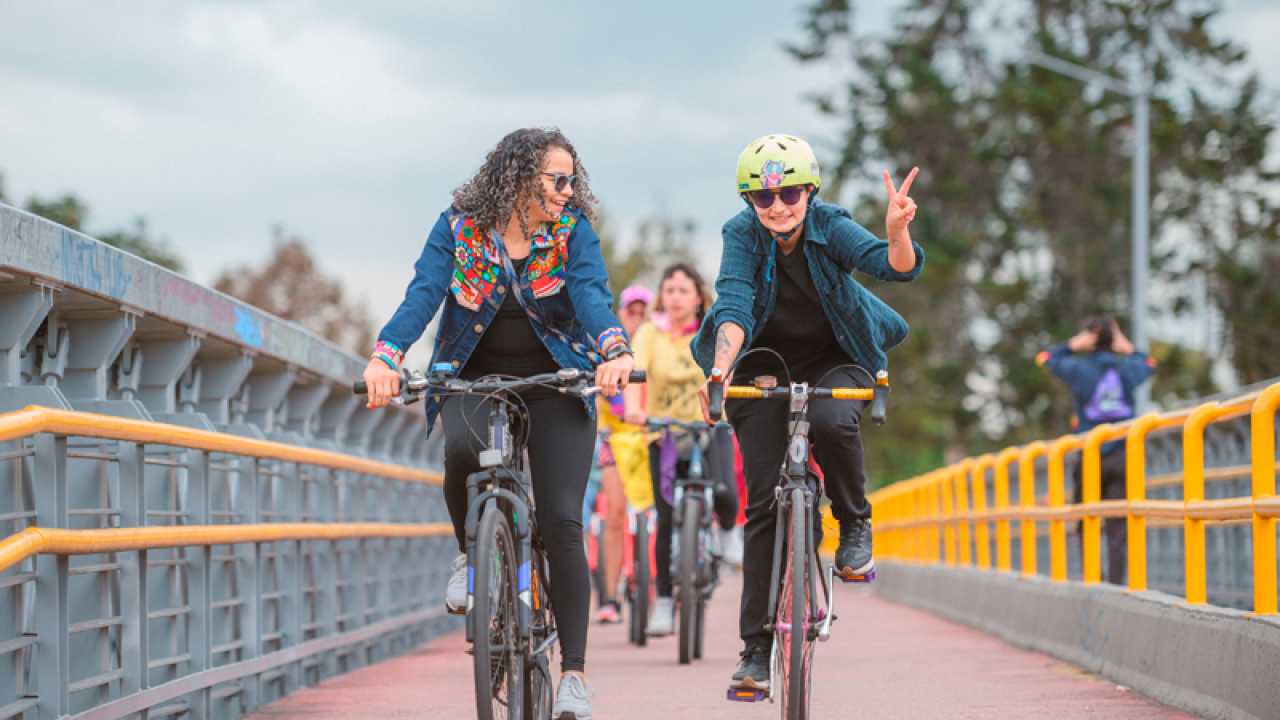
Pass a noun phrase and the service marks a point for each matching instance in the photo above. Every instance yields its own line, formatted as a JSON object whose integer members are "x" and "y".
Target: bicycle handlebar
{"x": 413, "y": 382}
{"x": 877, "y": 395}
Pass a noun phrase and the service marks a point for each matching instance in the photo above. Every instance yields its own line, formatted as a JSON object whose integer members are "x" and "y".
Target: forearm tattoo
{"x": 723, "y": 346}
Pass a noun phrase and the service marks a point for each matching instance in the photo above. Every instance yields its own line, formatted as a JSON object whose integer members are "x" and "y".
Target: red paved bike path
{"x": 883, "y": 661}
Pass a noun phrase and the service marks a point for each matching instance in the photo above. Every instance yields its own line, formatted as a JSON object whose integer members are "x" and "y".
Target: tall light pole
{"x": 1140, "y": 221}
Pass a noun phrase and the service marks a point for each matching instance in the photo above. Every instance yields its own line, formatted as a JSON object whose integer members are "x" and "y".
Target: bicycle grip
{"x": 359, "y": 387}
{"x": 715, "y": 395}
{"x": 638, "y": 376}
{"x": 879, "y": 402}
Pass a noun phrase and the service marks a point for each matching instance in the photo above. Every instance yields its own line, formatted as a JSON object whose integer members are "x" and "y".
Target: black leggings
{"x": 726, "y": 508}
{"x": 561, "y": 441}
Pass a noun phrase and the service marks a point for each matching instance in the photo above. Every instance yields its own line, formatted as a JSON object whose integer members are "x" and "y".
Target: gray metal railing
{"x": 205, "y": 631}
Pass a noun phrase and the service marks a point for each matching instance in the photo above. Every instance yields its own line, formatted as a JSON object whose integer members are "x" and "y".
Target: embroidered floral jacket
{"x": 565, "y": 285}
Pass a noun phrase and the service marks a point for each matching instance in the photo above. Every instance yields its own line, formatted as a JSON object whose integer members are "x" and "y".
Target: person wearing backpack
{"x": 1102, "y": 369}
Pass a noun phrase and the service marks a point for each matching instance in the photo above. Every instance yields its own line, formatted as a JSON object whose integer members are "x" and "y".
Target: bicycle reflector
{"x": 748, "y": 694}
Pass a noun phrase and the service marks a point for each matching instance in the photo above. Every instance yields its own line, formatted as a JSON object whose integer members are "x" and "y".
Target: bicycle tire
{"x": 798, "y": 676}
{"x": 700, "y": 630}
{"x": 598, "y": 576}
{"x": 497, "y": 651}
{"x": 642, "y": 583}
{"x": 688, "y": 576}
{"x": 538, "y": 694}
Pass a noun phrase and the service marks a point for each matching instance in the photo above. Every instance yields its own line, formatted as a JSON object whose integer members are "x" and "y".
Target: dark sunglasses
{"x": 563, "y": 181}
{"x": 790, "y": 195}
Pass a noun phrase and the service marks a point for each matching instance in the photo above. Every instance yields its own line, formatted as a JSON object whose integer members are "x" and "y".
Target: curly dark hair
{"x": 512, "y": 170}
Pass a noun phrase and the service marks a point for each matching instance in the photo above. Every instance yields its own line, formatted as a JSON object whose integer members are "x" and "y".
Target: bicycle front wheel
{"x": 688, "y": 578}
{"x": 797, "y": 705}
{"x": 499, "y": 659}
{"x": 542, "y": 634}
{"x": 641, "y": 582}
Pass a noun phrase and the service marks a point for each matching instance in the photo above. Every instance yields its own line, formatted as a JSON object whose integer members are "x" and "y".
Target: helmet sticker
{"x": 813, "y": 167}
{"x": 771, "y": 173}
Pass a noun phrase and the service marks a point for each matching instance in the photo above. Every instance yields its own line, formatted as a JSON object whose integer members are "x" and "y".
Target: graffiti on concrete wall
{"x": 93, "y": 266}
{"x": 248, "y": 328}
{"x": 220, "y": 309}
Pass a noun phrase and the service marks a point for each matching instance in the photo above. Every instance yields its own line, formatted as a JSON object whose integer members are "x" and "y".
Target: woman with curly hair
{"x": 519, "y": 270}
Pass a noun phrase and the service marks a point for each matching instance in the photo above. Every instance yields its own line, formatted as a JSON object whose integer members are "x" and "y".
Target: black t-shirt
{"x": 798, "y": 329}
{"x": 509, "y": 345}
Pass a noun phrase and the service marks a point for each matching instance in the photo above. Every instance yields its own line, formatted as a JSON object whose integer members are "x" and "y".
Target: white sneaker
{"x": 455, "y": 596}
{"x": 662, "y": 619}
{"x": 731, "y": 545}
{"x": 572, "y": 698}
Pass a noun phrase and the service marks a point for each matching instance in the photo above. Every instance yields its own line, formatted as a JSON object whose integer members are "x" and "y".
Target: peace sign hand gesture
{"x": 902, "y": 209}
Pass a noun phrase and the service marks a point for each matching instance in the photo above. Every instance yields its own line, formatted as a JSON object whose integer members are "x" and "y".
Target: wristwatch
{"x": 616, "y": 350}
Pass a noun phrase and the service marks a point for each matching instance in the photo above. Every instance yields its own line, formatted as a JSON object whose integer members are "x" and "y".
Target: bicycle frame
{"x": 793, "y": 486}
{"x": 504, "y": 481}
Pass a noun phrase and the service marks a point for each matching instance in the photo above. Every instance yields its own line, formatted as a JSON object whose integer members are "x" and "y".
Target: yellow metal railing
{"x": 55, "y": 541}
{"x": 33, "y": 420}
{"x": 914, "y": 517}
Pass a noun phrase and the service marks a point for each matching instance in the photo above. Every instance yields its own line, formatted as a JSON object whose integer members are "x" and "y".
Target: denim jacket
{"x": 565, "y": 285}
{"x": 835, "y": 246}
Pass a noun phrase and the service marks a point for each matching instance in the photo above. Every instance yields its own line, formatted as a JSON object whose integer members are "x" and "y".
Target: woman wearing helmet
{"x": 785, "y": 283}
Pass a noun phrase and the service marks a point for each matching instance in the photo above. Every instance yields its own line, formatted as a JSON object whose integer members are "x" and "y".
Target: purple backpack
{"x": 1108, "y": 402}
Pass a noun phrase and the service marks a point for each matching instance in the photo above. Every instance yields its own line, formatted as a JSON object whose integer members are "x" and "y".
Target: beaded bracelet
{"x": 389, "y": 354}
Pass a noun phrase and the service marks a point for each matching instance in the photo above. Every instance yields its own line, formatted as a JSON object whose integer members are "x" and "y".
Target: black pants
{"x": 561, "y": 442}
{"x": 726, "y": 508}
{"x": 1117, "y": 529}
{"x": 761, "y": 426}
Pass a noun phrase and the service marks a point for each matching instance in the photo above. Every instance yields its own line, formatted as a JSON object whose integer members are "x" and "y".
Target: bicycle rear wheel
{"x": 641, "y": 582}
{"x": 499, "y": 659}
{"x": 688, "y": 578}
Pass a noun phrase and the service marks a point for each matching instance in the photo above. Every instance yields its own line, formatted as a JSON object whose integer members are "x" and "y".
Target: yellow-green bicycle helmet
{"x": 776, "y": 161}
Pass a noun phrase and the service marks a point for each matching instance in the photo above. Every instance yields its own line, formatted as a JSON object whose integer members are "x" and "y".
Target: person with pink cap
{"x": 633, "y": 310}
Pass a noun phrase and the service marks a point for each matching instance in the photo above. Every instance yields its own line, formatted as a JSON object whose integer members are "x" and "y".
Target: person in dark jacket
{"x": 1102, "y": 369}
{"x": 786, "y": 284}
{"x": 519, "y": 270}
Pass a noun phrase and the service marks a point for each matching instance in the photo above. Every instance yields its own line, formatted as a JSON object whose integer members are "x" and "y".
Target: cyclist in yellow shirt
{"x": 619, "y": 457}
{"x": 661, "y": 348}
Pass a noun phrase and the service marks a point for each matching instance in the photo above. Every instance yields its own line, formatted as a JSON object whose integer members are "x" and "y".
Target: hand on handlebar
{"x": 612, "y": 375}
{"x": 383, "y": 383}
{"x": 704, "y": 399}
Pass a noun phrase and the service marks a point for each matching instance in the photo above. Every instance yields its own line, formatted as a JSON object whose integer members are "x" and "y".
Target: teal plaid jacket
{"x": 835, "y": 246}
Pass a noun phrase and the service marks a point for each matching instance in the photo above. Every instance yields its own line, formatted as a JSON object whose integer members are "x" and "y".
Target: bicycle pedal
{"x": 748, "y": 694}
{"x": 865, "y": 578}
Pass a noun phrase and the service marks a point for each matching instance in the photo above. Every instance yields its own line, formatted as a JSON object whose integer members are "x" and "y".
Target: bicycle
{"x": 695, "y": 575}
{"x": 798, "y": 617}
{"x": 635, "y": 581}
{"x": 509, "y": 620}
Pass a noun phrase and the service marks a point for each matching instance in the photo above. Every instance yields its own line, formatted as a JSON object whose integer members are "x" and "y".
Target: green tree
{"x": 1024, "y": 195}
{"x": 140, "y": 243}
{"x": 70, "y": 212}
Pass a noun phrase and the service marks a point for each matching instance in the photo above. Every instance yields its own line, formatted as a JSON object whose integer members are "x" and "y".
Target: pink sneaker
{"x": 609, "y": 613}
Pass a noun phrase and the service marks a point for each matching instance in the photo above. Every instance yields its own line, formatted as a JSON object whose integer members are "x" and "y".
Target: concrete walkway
{"x": 883, "y": 661}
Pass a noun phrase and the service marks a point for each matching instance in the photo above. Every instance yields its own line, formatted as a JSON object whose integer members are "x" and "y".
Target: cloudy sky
{"x": 348, "y": 123}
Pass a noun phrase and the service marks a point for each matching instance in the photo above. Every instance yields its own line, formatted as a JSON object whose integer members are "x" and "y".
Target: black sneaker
{"x": 753, "y": 669}
{"x": 853, "y": 557}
